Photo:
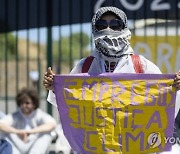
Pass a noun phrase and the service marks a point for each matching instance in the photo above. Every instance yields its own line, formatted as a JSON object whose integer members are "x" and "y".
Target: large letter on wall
{"x": 132, "y": 7}
{"x": 164, "y": 59}
{"x": 147, "y": 51}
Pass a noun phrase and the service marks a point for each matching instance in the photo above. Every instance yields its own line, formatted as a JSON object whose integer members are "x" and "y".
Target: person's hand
{"x": 29, "y": 132}
{"x": 48, "y": 79}
{"x": 23, "y": 135}
{"x": 177, "y": 81}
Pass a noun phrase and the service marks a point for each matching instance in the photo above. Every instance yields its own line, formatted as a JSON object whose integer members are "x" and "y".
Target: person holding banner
{"x": 113, "y": 52}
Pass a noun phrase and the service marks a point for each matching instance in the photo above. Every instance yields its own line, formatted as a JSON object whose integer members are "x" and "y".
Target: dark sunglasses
{"x": 114, "y": 24}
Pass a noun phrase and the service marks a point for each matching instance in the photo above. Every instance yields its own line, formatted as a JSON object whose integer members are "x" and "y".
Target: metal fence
{"x": 35, "y": 34}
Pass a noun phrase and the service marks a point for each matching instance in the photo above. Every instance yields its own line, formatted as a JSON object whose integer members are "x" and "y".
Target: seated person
{"x": 28, "y": 129}
{"x": 1, "y": 114}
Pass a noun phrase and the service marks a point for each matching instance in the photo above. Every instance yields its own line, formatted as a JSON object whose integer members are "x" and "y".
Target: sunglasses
{"x": 114, "y": 24}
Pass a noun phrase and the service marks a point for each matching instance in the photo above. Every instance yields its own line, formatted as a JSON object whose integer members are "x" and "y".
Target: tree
{"x": 76, "y": 42}
{"x": 7, "y": 46}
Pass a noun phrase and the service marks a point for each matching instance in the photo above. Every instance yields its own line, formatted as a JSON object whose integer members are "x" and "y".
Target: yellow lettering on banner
{"x": 116, "y": 113}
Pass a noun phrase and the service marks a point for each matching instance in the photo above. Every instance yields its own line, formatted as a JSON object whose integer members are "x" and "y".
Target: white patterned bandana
{"x": 110, "y": 43}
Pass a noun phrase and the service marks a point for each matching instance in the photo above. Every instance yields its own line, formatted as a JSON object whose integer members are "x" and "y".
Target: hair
{"x": 112, "y": 10}
{"x": 25, "y": 93}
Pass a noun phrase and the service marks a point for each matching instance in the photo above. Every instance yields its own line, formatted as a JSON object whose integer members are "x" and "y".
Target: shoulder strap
{"x": 87, "y": 63}
{"x": 137, "y": 64}
{"x": 135, "y": 59}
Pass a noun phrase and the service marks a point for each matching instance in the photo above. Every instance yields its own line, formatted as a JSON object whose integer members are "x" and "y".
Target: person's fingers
{"x": 49, "y": 71}
{"x": 177, "y": 81}
{"x": 177, "y": 77}
{"x": 47, "y": 84}
{"x": 48, "y": 81}
{"x": 178, "y": 74}
{"x": 49, "y": 87}
{"x": 177, "y": 84}
{"x": 49, "y": 78}
{"x": 52, "y": 72}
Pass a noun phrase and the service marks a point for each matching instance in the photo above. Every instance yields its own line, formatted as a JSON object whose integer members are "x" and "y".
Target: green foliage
{"x": 7, "y": 46}
{"x": 76, "y": 42}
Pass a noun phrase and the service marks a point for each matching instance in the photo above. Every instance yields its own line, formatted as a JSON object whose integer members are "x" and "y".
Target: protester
{"x": 28, "y": 129}
{"x": 112, "y": 52}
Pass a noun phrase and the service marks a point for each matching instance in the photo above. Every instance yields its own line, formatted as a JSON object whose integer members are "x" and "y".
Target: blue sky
{"x": 65, "y": 31}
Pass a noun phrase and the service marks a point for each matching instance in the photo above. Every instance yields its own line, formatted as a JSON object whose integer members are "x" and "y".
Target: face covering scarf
{"x": 112, "y": 44}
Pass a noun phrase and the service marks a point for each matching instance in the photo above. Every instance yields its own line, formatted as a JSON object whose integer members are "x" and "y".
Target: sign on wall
{"x": 162, "y": 50}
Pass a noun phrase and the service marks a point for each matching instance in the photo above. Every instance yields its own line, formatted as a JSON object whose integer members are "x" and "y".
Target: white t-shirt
{"x": 125, "y": 65}
{"x": 20, "y": 121}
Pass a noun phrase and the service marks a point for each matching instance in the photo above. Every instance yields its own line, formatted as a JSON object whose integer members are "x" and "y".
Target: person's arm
{"x": 43, "y": 128}
{"x": 6, "y": 126}
{"x": 9, "y": 129}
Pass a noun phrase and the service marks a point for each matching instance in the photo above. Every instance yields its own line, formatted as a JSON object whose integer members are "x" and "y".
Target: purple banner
{"x": 116, "y": 112}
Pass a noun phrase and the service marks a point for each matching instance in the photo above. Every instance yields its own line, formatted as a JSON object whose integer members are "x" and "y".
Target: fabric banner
{"x": 116, "y": 113}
